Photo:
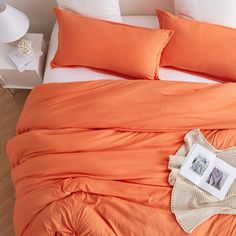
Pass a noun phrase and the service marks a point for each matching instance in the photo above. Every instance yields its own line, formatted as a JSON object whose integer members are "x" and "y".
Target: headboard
{"x": 145, "y": 7}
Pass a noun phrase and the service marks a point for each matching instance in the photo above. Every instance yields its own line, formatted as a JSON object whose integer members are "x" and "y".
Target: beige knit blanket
{"x": 190, "y": 204}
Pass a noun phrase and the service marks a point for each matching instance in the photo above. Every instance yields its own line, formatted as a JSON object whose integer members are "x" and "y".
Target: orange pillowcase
{"x": 124, "y": 49}
{"x": 199, "y": 47}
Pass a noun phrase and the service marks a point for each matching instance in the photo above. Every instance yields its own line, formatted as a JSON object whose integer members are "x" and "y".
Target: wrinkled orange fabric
{"x": 91, "y": 158}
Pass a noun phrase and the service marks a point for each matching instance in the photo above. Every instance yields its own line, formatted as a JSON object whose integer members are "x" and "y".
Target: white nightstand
{"x": 11, "y": 78}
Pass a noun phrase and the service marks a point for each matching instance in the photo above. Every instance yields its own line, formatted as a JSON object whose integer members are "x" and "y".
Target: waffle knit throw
{"x": 190, "y": 204}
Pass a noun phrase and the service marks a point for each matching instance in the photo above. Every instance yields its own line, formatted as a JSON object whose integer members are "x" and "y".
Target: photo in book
{"x": 200, "y": 165}
{"x": 217, "y": 178}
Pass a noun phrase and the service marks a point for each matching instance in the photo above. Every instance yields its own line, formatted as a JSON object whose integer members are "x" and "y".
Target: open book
{"x": 208, "y": 172}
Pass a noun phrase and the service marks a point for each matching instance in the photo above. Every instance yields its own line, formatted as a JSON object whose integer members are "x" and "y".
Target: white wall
{"x": 39, "y": 12}
{"x": 42, "y": 18}
{"x": 145, "y": 7}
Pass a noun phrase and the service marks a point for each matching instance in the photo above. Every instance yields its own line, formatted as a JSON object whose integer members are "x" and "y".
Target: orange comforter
{"x": 90, "y": 158}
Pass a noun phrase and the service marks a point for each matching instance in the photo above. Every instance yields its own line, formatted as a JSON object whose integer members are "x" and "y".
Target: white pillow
{"x": 101, "y": 9}
{"x": 221, "y": 12}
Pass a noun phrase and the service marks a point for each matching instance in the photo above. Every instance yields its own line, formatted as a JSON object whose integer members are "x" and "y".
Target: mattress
{"x": 59, "y": 75}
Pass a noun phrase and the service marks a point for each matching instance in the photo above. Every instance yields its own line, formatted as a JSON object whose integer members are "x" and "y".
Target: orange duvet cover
{"x": 90, "y": 158}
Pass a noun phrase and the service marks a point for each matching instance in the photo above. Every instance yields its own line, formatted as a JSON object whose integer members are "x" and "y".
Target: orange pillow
{"x": 115, "y": 47}
{"x": 199, "y": 47}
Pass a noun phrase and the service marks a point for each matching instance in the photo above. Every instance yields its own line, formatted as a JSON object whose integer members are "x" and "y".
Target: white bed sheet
{"x": 59, "y": 75}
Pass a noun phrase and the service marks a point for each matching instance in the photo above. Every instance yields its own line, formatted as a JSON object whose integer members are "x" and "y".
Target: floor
{"x": 10, "y": 108}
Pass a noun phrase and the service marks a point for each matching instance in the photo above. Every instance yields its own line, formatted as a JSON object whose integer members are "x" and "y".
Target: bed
{"x": 91, "y": 152}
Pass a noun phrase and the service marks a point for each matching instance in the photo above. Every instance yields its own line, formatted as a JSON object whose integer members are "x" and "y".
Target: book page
{"x": 219, "y": 180}
{"x": 199, "y": 163}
